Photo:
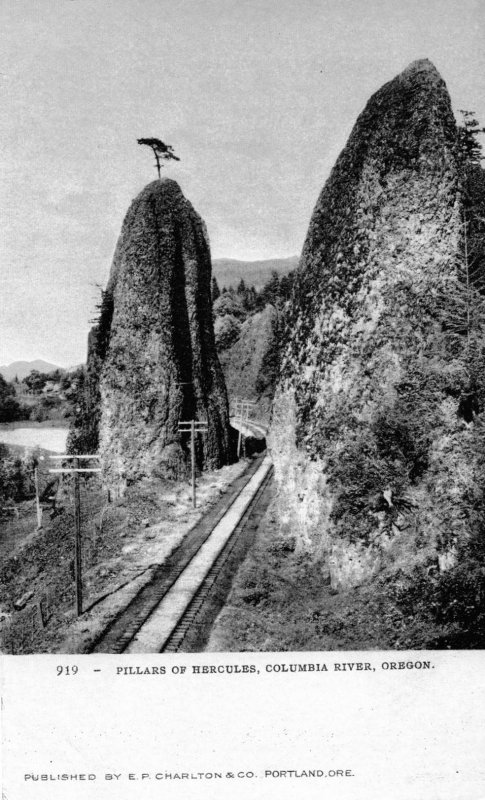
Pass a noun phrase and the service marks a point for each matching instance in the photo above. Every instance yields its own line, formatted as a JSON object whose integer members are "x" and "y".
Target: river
{"x": 47, "y": 437}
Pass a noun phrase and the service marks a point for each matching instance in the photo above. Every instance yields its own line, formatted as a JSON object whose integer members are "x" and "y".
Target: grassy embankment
{"x": 280, "y": 602}
{"x": 123, "y": 542}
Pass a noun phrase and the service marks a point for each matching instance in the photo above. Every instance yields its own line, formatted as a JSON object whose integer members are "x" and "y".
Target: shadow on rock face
{"x": 158, "y": 365}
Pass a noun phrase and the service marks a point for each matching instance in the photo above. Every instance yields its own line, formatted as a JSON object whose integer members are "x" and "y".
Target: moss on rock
{"x": 373, "y": 457}
{"x": 153, "y": 351}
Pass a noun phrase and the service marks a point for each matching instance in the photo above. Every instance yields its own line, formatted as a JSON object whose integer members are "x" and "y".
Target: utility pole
{"x": 239, "y": 437}
{"x": 192, "y": 460}
{"x": 78, "y": 542}
{"x": 76, "y": 470}
{"x": 242, "y": 409}
{"x": 193, "y": 426}
{"x": 37, "y": 497}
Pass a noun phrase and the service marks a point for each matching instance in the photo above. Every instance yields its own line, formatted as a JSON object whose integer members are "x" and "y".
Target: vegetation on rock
{"x": 161, "y": 151}
{"x": 248, "y": 327}
{"x": 152, "y": 360}
{"x": 377, "y": 435}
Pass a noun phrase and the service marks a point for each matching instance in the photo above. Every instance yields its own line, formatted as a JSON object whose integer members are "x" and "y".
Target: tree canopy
{"x": 10, "y": 409}
{"x": 161, "y": 151}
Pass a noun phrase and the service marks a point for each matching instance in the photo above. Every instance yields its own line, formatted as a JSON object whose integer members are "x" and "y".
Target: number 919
{"x": 67, "y": 670}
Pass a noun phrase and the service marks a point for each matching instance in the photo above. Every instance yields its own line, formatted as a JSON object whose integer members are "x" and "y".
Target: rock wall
{"x": 250, "y": 364}
{"x": 374, "y": 451}
{"x": 155, "y": 343}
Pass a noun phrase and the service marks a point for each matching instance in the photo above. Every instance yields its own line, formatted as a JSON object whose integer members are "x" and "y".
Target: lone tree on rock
{"x": 160, "y": 151}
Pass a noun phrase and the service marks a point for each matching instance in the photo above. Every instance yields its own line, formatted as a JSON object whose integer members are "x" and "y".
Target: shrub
{"x": 16, "y": 476}
{"x": 229, "y": 305}
{"x": 226, "y": 329}
{"x": 10, "y": 408}
{"x": 46, "y": 408}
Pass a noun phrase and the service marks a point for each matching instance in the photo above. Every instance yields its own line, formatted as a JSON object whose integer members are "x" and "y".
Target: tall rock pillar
{"x": 159, "y": 364}
{"x": 373, "y": 455}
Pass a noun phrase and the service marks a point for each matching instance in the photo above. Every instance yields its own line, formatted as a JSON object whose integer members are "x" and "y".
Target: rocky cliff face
{"x": 376, "y": 434}
{"x": 250, "y": 364}
{"x": 153, "y": 349}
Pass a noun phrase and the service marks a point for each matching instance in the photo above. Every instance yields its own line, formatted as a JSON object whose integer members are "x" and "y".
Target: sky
{"x": 257, "y": 98}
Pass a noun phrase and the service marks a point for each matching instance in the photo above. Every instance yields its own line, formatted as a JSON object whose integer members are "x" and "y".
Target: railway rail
{"x": 176, "y": 609}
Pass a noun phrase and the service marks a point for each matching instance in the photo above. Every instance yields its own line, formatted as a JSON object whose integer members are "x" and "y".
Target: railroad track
{"x": 193, "y": 629}
{"x": 175, "y": 609}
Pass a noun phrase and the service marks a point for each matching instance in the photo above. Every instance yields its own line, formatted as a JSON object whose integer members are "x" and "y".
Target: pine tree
{"x": 462, "y": 302}
{"x": 469, "y": 147}
{"x": 271, "y": 290}
{"x": 286, "y": 286}
{"x": 160, "y": 150}
{"x": 473, "y": 188}
{"x": 250, "y": 299}
{"x": 215, "y": 291}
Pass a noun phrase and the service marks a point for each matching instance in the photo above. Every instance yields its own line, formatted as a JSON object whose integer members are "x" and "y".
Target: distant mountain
{"x": 23, "y": 368}
{"x": 229, "y": 271}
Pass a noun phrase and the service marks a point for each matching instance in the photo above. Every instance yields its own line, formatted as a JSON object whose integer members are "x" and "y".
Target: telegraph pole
{"x": 192, "y": 460}
{"x": 37, "y": 497}
{"x": 193, "y": 426}
{"x": 239, "y": 437}
{"x": 78, "y": 542}
{"x": 76, "y": 470}
{"x": 243, "y": 409}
